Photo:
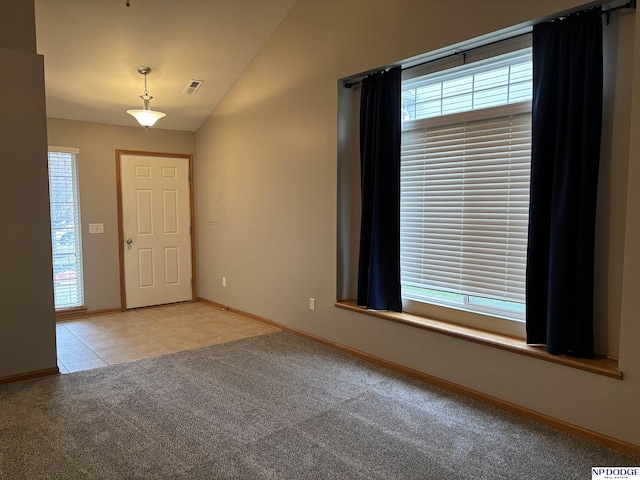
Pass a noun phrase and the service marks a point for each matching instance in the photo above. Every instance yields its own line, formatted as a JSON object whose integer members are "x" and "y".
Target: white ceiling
{"x": 93, "y": 48}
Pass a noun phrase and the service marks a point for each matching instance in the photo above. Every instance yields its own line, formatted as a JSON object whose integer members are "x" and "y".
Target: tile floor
{"x": 98, "y": 341}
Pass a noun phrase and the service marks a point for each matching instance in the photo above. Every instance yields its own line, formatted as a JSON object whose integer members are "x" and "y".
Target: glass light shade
{"x": 146, "y": 118}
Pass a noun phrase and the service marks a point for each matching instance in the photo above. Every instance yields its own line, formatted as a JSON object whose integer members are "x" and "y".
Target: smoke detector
{"x": 192, "y": 87}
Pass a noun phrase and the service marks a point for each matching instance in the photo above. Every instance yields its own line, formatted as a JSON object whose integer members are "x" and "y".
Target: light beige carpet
{"x": 271, "y": 407}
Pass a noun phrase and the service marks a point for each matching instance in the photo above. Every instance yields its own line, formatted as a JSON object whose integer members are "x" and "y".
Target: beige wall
{"x": 18, "y": 30}
{"x": 98, "y": 204}
{"x": 273, "y": 142}
{"x": 27, "y": 319}
{"x": 612, "y": 188}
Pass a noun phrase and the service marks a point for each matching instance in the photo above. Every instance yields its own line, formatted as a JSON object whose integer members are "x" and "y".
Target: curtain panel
{"x": 567, "y": 121}
{"x": 379, "y": 260}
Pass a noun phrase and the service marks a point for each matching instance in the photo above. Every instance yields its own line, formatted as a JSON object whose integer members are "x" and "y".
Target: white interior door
{"x": 156, "y": 227}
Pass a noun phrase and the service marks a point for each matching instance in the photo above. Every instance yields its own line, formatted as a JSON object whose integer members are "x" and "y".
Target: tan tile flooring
{"x": 98, "y": 341}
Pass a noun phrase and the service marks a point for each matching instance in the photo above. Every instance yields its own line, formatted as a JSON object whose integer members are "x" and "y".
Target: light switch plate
{"x": 96, "y": 228}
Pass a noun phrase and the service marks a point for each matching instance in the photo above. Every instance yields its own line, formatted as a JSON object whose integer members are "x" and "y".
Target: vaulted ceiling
{"x": 93, "y": 48}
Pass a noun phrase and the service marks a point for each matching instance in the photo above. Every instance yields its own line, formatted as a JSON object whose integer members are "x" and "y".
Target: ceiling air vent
{"x": 192, "y": 87}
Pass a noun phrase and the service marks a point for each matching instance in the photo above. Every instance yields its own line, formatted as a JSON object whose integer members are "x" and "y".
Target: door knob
{"x": 129, "y": 241}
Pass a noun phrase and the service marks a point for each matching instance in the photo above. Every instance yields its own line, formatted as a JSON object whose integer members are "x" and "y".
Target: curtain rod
{"x": 607, "y": 13}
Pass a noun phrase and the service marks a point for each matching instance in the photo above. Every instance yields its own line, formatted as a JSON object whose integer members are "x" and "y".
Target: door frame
{"x": 192, "y": 231}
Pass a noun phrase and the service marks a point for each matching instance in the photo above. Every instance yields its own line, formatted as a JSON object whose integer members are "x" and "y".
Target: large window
{"x": 465, "y": 162}
{"x": 65, "y": 227}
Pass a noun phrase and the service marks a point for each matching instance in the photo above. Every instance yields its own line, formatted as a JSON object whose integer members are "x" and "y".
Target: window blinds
{"x": 65, "y": 227}
{"x": 464, "y": 206}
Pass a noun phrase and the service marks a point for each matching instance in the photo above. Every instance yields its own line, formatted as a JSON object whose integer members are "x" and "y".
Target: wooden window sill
{"x": 599, "y": 365}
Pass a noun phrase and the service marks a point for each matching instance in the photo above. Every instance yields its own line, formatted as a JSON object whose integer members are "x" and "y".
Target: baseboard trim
{"x": 30, "y": 375}
{"x": 70, "y": 315}
{"x": 70, "y": 311}
{"x": 524, "y": 412}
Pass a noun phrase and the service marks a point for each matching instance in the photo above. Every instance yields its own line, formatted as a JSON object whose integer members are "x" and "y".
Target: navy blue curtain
{"x": 379, "y": 261}
{"x": 567, "y": 121}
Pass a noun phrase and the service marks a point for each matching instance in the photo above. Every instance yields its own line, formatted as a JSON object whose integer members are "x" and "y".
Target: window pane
{"x": 464, "y": 212}
{"x": 465, "y": 187}
{"x": 65, "y": 230}
{"x": 492, "y": 78}
{"x": 491, "y": 97}
{"x": 489, "y": 83}
{"x": 428, "y": 109}
{"x": 428, "y": 92}
{"x": 460, "y": 103}
{"x": 520, "y": 92}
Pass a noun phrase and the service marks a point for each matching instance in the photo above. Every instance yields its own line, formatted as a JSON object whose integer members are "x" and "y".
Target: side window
{"x": 65, "y": 228}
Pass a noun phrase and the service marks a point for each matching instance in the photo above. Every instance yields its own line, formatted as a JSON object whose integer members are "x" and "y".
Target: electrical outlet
{"x": 224, "y": 281}
{"x": 312, "y": 303}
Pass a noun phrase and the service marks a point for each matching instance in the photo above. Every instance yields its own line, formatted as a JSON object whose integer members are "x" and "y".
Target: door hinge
{"x": 189, "y": 230}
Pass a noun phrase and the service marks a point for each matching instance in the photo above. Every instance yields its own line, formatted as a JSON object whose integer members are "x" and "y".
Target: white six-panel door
{"x": 155, "y": 224}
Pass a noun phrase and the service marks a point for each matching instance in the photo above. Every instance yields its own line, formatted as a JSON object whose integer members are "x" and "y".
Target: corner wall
{"x": 272, "y": 143}
{"x": 27, "y": 319}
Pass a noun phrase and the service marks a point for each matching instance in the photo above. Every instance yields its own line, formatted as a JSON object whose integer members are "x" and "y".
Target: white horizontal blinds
{"x": 464, "y": 206}
{"x": 487, "y": 83}
{"x": 65, "y": 228}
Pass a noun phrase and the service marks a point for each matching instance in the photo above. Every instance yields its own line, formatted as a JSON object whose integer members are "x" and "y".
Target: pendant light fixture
{"x": 146, "y": 117}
